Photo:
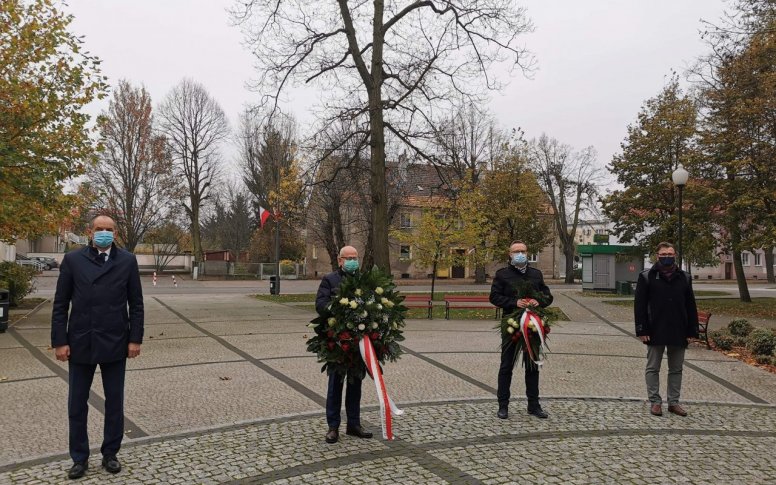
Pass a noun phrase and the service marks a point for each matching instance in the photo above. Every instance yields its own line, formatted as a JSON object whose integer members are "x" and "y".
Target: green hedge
{"x": 17, "y": 279}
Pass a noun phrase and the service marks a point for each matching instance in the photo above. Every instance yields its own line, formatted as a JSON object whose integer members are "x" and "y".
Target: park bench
{"x": 468, "y": 302}
{"x": 703, "y": 327}
{"x": 418, "y": 301}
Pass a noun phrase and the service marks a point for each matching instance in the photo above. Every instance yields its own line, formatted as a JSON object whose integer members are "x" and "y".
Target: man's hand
{"x": 62, "y": 352}
{"x": 526, "y": 302}
{"x": 134, "y": 350}
{"x": 644, "y": 338}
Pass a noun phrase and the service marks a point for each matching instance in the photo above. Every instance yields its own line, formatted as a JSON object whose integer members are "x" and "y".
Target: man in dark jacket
{"x": 665, "y": 315}
{"x": 348, "y": 264}
{"x": 100, "y": 286}
{"x": 503, "y": 294}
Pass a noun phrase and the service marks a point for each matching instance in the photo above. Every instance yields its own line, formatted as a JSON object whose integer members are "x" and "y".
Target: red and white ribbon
{"x": 373, "y": 368}
{"x": 526, "y": 319}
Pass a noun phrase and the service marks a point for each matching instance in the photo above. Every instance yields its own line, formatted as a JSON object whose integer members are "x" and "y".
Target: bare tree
{"x": 195, "y": 125}
{"x": 134, "y": 176}
{"x": 570, "y": 180}
{"x": 383, "y": 63}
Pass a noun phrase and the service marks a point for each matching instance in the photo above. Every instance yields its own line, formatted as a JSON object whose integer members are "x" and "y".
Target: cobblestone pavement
{"x": 224, "y": 391}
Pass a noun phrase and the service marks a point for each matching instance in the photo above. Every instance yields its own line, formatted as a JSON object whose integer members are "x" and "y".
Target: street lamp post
{"x": 679, "y": 177}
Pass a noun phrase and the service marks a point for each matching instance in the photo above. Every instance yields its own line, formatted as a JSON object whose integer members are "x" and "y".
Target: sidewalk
{"x": 225, "y": 391}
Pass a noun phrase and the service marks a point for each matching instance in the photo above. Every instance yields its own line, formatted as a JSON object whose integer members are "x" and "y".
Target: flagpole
{"x": 277, "y": 252}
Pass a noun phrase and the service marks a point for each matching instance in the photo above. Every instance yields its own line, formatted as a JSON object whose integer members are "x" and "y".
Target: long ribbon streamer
{"x": 386, "y": 403}
{"x": 525, "y": 319}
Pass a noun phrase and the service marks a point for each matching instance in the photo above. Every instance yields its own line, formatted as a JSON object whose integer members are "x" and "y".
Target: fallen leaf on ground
{"x": 225, "y": 378}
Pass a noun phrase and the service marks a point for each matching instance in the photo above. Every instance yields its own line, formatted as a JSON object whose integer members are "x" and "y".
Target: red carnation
{"x": 330, "y": 345}
{"x": 546, "y": 329}
{"x": 515, "y": 337}
{"x": 345, "y": 346}
{"x": 345, "y": 335}
{"x": 330, "y": 333}
{"x": 375, "y": 336}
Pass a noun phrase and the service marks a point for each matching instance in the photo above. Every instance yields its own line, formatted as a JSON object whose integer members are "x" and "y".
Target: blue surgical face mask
{"x": 350, "y": 265}
{"x": 519, "y": 259}
{"x": 103, "y": 239}
{"x": 667, "y": 261}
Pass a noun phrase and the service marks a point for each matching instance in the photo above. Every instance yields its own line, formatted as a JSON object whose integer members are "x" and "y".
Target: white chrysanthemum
{"x": 361, "y": 326}
{"x": 379, "y": 290}
{"x": 379, "y": 306}
{"x": 364, "y": 314}
{"x": 385, "y": 318}
{"x": 389, "y": 304}
{"x": 511, "y": 321}
{"x": 344, "y": 301}
{"x": 353, "y": 305}
{"x": 358, "y": 291}
{"x": 332, "y": 321}
{"x": 510, "y": 330}
{"x": 384, "y": 300}
{"x": 375, "y": 325}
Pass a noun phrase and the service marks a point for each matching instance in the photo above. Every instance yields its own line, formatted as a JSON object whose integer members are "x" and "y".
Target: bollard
{"x": 5, "y": 305}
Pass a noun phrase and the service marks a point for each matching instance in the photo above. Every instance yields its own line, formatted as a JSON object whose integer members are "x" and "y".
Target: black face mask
{"x": 667, "y": 261}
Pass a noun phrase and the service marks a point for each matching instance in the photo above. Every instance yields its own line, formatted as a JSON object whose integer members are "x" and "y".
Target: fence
{"x": 259, "y": 271}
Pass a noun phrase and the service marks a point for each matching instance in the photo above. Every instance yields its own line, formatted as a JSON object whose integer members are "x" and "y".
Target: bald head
{"x": 99, "y": 224}
{"x": 347, "y": 252}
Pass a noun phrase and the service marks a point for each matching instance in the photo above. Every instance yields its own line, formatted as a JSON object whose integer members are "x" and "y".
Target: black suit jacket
{"x": 105, "y": 303}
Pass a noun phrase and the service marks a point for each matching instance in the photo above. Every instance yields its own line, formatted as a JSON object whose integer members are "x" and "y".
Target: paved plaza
{"x": 224, "y": 391}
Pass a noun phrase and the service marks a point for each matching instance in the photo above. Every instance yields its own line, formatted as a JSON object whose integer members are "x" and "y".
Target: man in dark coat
{"x": 665, "y": 316}
{"x": 348, "y": 264}
{"x": 100, "y": 286}
{"x": 503, "y": 294}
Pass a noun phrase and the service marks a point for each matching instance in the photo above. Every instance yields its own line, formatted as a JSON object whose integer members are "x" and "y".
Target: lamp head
{"x": 680, "y": 176}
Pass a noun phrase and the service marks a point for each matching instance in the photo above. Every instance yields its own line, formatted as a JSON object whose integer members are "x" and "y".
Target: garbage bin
{"x": 5, "y": 304}
{"x": 274, "y": 285}
{"x": 623, "y": 288}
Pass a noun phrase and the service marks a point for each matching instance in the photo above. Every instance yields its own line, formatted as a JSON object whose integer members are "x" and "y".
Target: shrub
{"x": 722, "y": 339}
{"x": 740, "y": 327}
{"x": 17, "y": 279}
{"x": 762, "y": 341}
{"x": 738, "y": 341}
{"x": 764, "y": 359}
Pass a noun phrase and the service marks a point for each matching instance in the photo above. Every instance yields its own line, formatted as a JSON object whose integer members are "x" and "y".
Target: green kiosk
{"x": 610, "y": 267}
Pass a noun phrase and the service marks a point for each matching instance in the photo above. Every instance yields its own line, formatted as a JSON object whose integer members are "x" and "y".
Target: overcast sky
{"x": 598, "y": 60}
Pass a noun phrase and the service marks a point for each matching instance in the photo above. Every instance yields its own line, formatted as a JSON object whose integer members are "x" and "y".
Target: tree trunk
{"x": 433, "y": 278}
{"x": 769, "y": 264}
{"x": 196, "y": 238}
{"x": 743, "y": 288}
{"x": 479, "y": 274}
{"x": 569, "y": 264}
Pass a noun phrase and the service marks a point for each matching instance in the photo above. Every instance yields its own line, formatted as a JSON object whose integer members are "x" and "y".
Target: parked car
{"x": 48, "y": 263}
{"x": 25, "y": 261}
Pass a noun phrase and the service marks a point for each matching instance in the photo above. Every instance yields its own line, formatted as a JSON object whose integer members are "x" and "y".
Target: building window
{"x": 745, "y": 259}
{"x": 758, "y": 259}
{"x": 404, "y": 252}
{"x": 405, "y": 221}
{"x": 600, "y": 231}
{"x": 532, "y": 258}
{"x": 581, "y": 238}
{"x": 315, "y": 252}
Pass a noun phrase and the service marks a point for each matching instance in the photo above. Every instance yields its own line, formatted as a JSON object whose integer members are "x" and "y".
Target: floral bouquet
{"x": 527, "y": 328}
{"x": 367, "y": 305}
{"x": 361, "y": 331}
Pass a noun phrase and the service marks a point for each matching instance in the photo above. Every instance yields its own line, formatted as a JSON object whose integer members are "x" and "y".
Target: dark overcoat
{"x": 105, "y": 303}
{"x": 664, "y": 308}
{"x": 503, "y": 290}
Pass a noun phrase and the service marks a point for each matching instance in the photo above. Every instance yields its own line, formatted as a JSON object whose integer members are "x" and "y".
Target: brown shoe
{"x": 332, "y": 436}
{"x": 358, "y": 432}
{"x": 677, "y": 409}
{"x": 657, "y": 409}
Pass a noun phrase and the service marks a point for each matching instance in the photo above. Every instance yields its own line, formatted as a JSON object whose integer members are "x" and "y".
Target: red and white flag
{"x": 263, "y": 215}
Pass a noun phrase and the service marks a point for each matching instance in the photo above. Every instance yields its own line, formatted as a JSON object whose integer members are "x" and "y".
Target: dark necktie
{"x": 104, "y": 257}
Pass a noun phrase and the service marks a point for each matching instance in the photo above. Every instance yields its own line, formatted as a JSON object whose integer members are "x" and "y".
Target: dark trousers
{"x": 80, "y": 380}
{"x": 334, "y": 401}
{"x": 505, "y": 376}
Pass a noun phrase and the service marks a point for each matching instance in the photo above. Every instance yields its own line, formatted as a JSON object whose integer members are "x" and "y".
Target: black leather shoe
{"x": 78, "y": 470}
{"x": 111, "y": 464}
{"x": 358, "y": 431}
{"x": 538, "y": 412}
{"x": 332, "y": 436}
{"x": 503, "y": 411}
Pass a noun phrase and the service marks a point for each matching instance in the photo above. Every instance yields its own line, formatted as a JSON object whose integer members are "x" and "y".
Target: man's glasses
{"x": 351, "y": 258}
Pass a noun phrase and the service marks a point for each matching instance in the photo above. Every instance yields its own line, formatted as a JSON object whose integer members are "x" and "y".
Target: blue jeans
{"x": 334, "y": 401}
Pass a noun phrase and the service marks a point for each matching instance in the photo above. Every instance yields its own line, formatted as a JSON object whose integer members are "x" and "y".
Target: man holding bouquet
{"x": 518, "y": 286}
{"x": 348, "y": 264}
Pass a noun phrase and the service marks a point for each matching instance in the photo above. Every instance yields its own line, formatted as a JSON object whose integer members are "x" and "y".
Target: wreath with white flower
{"x": 527, "y": 328}
{"x": 366, "y": 305}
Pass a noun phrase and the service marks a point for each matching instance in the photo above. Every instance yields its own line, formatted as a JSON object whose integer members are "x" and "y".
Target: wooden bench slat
{"x": 460, "y": 302}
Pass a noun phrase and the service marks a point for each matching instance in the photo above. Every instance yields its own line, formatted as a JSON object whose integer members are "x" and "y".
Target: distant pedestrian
{"x": 100, "y": 287}
{"x": 666, "y": 316}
